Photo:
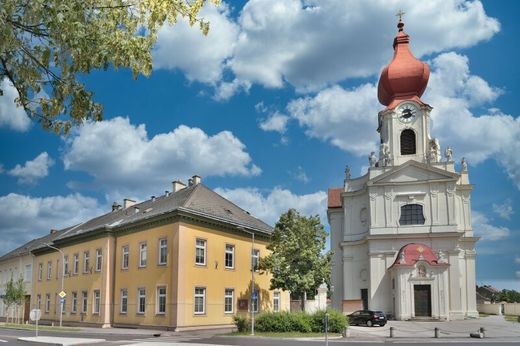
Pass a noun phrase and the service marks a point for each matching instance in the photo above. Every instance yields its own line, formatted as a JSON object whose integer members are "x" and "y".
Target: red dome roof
{"x": 406, "y": 77}
{"x": 413, "y": 252}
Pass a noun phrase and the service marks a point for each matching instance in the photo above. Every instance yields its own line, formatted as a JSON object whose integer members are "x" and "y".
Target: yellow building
{"x": 182, "y": 260}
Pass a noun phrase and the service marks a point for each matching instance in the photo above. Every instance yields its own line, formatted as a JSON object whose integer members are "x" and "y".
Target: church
{"x": 401, "y": 233}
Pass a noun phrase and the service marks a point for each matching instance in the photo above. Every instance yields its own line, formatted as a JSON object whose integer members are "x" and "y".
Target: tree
{"x": 297, "y": 260}
{"x": 14, "y": 295}
{"x": 46, "y": 45}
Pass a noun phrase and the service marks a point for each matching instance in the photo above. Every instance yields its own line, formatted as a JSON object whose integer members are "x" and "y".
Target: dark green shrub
{"x": 241, "y": 323}
{"x": 283, "y": 322}
{"x": 337, "y": 321}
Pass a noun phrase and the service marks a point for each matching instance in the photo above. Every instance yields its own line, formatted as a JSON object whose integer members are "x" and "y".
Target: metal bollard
{"x": 436, "y": 333}
{"x": 483, "y": 332}
{"x": 391, "y": 332}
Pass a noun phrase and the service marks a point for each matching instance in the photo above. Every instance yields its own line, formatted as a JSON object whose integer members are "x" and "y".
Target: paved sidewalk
{"x": 53, "y": 340}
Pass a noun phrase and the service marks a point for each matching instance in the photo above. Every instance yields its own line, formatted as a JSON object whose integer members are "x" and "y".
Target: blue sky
{"x": 270, "y": 107}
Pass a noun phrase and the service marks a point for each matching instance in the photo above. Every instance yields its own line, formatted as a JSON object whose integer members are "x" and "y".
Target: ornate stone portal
{"x": 406, "y": 224}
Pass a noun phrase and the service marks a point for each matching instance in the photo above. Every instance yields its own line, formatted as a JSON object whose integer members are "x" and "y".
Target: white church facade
{"x": 401, "y": 234}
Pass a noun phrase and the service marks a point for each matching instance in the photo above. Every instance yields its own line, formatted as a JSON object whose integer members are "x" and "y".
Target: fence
{"x": 500, "y": 309}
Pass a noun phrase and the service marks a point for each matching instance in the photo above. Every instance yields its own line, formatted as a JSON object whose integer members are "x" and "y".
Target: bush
{"x": 242, "y": 323}
{"x": 337, "y": 321}
{"x": 295, "y": 322}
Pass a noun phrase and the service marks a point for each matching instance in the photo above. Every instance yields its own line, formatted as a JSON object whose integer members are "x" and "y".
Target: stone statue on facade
{"x": 385, "y": 158}
{"x": 372, "y": 160}
{"x": 448, "y": 153}
{"x": 463, "y": 165}
{"x": 435, "y": 151}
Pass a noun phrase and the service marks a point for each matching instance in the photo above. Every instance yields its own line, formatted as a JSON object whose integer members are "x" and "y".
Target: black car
{"x": 367, "y": 317}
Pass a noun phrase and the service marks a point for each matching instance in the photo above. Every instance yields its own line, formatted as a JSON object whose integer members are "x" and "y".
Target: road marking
{"x": 3, "y": 340}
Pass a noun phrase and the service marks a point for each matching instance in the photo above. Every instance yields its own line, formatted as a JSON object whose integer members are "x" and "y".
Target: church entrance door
{"x": 422, "y": 300}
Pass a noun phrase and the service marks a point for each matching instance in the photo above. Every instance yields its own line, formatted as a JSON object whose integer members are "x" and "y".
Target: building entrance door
{"x": 364, "y": 298}
{"x": 27, "y": 308}
{"x": 422, "y": 300}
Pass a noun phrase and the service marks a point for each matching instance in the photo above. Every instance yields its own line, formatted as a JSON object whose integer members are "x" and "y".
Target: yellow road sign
{"x": 62, "y": 294}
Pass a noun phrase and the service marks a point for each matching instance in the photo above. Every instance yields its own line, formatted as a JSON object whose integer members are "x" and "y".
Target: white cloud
{"x": 345, "y": 118}
{"x": 517, "y": 274}
{"x": 300, "y": 175}
{"x": 269, "y": 206}
{"x": 23, "y": 218}
{"x": 124, "y": 160}
{"x": 12, "y": 116}
{"x": 33, "y": 170}
{"x": 201, "y": 58}
{"x": 311, "y": 44}
{"x": 276, "y": 122}
{"x": 488, "y": 232}
{"x": 504, "y": 210}
{"x": 517, "y": 260}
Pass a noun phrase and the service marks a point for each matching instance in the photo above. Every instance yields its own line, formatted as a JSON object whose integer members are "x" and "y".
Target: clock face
{"x": 407, "y": 112}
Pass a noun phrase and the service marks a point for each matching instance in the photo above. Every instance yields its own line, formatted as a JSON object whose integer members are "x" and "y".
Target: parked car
{"x": 367, "y": 317}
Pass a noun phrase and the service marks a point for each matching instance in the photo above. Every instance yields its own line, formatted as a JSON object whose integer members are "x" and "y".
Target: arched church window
{"x": 408, "y": 142}
{"x": 412, "y": 214}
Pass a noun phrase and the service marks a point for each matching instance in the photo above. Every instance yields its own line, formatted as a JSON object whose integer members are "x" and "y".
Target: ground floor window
{"x": 161, "y": 300}
{"x": 141, "y": 300}
{"x": 84, "y": 302}
{"x": 276, "y": 301}
{"x": 200, "y": 300}
{"x": 124, "y": 301}
{"x": 97, "y": 302}
{"x": 228, "y": 300}
{"x": 74, "y": 306}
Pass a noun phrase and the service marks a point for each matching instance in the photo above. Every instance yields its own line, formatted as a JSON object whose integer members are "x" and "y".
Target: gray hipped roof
{"x": 26, "y": 248}
{"x": 197, "y": 200}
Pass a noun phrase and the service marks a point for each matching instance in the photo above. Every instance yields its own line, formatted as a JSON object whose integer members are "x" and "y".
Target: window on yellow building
{"x": 49, "y": 270}
{"x": 47, "y": 302}
{"x": 57, "y": 269}
{"x": 74, "y": 303}
{"x": 200, "y": 252}
{"x": 141, "y": 300}
{"x": 66, "y": 265}
{"x": 163, "y": 251}
{"x": 143, "y": 254}
{"x": 84, "y": 302}
{"x": 161, "y": 300}
{"x": 255, "y": 258}
{"x": 39, "y": 301}
{"x": 86, "y": 261}
{"x": 99, "y": 259}
{"x": 75, "y": 264}
{"x": 124, "y": 301}
{"x": 276, "y": 301}
{"x": 229, "y": 260}
{"x": 96, "y": 302}
{"x": 200, "y": 301}
{"x": 228, "y": 300}
{"x": 125, "y": 253}
{"x": 40, "y": 271}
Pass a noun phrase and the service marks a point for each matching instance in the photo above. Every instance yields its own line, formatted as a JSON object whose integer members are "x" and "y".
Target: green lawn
{"x": 33, "y": 327}
{"x": 511, "y": 318}
{"x": 285, "y": 335}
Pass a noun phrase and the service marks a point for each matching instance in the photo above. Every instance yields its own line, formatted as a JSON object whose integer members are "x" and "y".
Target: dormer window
{"x": 412, "y": 214}
{"x": 408, "y": 142}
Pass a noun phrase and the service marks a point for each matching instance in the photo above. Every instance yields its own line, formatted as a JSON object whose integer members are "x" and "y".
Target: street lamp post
{"x": 252, "y": 279}
{"x": 62, "y": 277}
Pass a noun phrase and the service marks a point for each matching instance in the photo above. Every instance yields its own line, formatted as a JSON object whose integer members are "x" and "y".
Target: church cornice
{"x": 448, "y": 176}
{"x": 415, "y": 236}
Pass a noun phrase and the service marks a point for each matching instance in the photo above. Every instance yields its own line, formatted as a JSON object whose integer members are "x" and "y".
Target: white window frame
{"x": 40, "y": 271}
{"x": 96, "y": 302}
{"x": 141, "y": 294}
{"x": 47, "y": 302}
{"x": 28, "y": 273}
{"x": 66, "y": 265}
{"x": 49, "y": 270}
{"x": 276, "y": 301}
{"x": 75, "y": 263}
{"x": 202, "y": 247}
{"x": 86, "y": 261}
{"x": 84, "y": 302}
{"x": 38, "y": 301}
{"x": 230, "y": 250}
{"x": 158, "y": 300}
{"x": 229, "y": 297}
{"x": 143, "y": 254}
{"x": 200, "y": 295}
{"x": 255, "y": 257}
{"x": 74, "y": 302}
{"x": 124, "y": 297}
{"x": 125, "y": 256}
{"x": 99, "y": 259}
{"x": 163, "y": 246}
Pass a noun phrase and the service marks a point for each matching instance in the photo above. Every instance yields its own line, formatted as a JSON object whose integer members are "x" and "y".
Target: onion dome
{"x": 405, "y": 77}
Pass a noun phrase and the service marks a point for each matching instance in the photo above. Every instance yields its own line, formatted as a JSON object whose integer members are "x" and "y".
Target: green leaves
{"x": 297, "y": 261}
{"x": 46, "y": 45}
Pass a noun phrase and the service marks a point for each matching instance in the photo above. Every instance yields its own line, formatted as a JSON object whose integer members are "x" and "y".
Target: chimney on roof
{"x": 53, "y": 231}
{"x": 127, "y": 202}
{"x": 196, "y": 179}
{"x": 166, "y": 193}
{"x": 177, "y": 185}
{"x": 153, "y": 198}
{"x": 115, "y": 206}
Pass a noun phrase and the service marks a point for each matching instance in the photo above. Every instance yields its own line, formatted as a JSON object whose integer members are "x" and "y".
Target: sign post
{"x": 35, "y": 315}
